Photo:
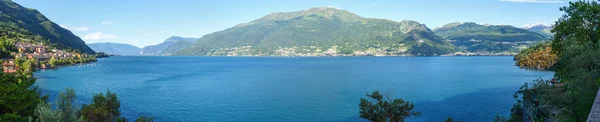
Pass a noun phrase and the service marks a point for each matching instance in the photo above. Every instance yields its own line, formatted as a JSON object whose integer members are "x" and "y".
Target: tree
{"x": 144, "y": 119}
{"x": 449, "y": 119}
{"x": 66, "y": 106}
{"x": 18, "y": 98}
{"x": 53, "y": 62}
{"x": 380, "y": 110}
{"x": 576, "y": 38}
{"x": 6, "y": 47}
{"x": 579, "y": 25}
{"x": 104, "y": 108}
{"x": 45, "y": 113}
{"x": 67, "y": 110}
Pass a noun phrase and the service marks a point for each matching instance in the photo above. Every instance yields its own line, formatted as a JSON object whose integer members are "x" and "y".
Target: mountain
{"x": 28, "y": 24}
{"x": 169, "y": 46}
{"x": 473, "y": 37}
{"x": 115, "y": 48}
{"x": 541, "y": 28}
{"x": 321, "y": 31}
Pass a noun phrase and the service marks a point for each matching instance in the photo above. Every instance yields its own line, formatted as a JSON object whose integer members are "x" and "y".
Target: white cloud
{"x": 535, "y": 1}
{"x": 98, "y": 35}
{"x": 107, "y": 23}
{"x": 375, "y": 4}
{"x": 75, "y": 28}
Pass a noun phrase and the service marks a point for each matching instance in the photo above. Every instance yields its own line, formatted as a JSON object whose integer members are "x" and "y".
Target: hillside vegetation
{"x": 538, "y": 57}
{"x": 320, "y": 32}
{"x": 473, "y": 37}
{"x": 18, "y": 22}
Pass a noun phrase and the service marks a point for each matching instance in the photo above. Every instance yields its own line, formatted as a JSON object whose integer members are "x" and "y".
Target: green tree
{"x": 579, "y": 25}
{"x": 18, "y": 98}
{"x": 67, "y": 110}
{"x": 576, "y": 43}
{"x": 381, "y": 109}
{"x": 144, "y": 119}
{"x": 6, "y": 47}
{"x": 45, "y": 113}
{"x": 449, "y": 119}
{"x": 53, "y": 62}
{"x": 66, "y": 106}
{"x": 105, "y": 108}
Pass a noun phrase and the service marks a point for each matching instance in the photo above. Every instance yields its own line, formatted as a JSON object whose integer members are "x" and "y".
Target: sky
{"x": 149, "y": 22}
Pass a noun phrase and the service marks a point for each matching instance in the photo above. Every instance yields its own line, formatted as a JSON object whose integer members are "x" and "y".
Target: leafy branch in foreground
{"x": 380, "y": 109}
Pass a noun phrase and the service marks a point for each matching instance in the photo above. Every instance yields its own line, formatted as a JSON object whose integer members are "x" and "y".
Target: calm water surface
{"x": 294, "y": 89}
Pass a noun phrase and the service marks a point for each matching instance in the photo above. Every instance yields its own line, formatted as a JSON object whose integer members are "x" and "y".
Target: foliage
{"x": 105, "y": 108}
{"x": 6, "y": 47}
{"x": 53, "y": 62}
{"x": 381, "y": 109}
{"x": 541, "y": 101}
{"x": 578, "y": 67}
{"x": 144, "y": 119}
{"x": 22, "y": 23}
{"x": 45, "y": 113}
{"x": 576, "y": 42}
{"x": 18, "y": 98}
{"x": 449, "y": 119}
{"x": 67, "y": 110}
{"x": 487, "y": 38}
{"x": 323, "y": 29}
{"x": 540, "y": 56}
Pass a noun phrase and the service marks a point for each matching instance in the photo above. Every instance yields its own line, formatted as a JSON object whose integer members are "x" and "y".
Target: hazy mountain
{"x": 169, "y": 46}
{"x": 115, "y": 48}
{"x": 541, "y": 28}
{"x": 473, "y": 37}
{"x": 17, "y": 21}
{"x": 321, "y": 31}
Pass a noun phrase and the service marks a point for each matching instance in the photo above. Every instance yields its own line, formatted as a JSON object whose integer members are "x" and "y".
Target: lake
{"x": 294, "y": 88}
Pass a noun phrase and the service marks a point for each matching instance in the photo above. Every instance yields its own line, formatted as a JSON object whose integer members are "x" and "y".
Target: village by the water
{"x": 34, "y": 56}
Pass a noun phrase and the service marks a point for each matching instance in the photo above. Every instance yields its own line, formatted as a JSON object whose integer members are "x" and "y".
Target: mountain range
{"x": 170, "y": 45}
{"x": 115, "y": 48}
{"x": 473, "y": 37}
{"x": 25, "y": 24}
{"x": 325, "y": 31}
{"x": 321, "y": 31}
{"x": 541, "y": 28}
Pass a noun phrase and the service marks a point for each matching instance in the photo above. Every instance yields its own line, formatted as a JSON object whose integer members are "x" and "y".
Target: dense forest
{"x": 570, "y": 96}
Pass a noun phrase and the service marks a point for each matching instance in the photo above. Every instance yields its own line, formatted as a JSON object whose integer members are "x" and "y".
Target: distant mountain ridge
{"x": 474, "y": 37}
{"x": 17, "y": 21}
{"x": 541, "y": 28}
{"x": 115, "y": 48}
{"x": 321, "y": 31}
{"x": 170, "y": 45}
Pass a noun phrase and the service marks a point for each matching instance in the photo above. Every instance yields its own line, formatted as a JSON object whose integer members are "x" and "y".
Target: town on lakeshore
{"x": 43, "y": 57}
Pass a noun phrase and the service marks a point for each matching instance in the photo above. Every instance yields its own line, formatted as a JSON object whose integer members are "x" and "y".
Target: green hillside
{"x": 473, "y": 37}
{"x": 320, "y": 32}
{"x": 22, "y": 23}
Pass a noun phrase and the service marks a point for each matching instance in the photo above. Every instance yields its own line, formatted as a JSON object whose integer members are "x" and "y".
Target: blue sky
{"x": 148, "y": 22}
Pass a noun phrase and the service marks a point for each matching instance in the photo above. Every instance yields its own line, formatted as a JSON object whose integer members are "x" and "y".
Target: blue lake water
{"x": 294, "y": 89}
